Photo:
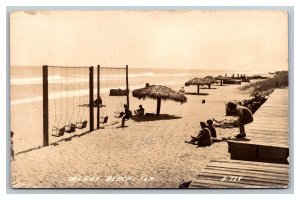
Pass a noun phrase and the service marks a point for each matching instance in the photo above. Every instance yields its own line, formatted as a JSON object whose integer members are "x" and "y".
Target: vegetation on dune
{"x": 267, "y": 86}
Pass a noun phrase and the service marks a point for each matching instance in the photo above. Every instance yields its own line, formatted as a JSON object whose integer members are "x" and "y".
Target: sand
{"x": 145, "y": 154}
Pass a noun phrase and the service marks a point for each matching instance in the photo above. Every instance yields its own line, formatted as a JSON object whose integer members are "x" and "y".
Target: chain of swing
{"x": 67, "y": 119}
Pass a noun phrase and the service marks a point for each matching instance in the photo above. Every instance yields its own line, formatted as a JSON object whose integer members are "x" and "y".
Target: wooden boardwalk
{"x": 268, "y": 135}
{"x": 260, "y": 160}
{"x": 242, "y": 174}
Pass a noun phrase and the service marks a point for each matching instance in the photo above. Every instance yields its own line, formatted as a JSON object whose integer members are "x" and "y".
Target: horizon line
{"x": 169, "y": 68}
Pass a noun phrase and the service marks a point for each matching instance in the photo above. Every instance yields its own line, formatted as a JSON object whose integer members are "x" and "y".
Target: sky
{"x": 233, "y": 40}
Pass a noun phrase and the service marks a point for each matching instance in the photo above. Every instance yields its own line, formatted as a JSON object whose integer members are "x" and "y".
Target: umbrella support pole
{"x": 198, "y": 89}
{"x": 158, "y": 106}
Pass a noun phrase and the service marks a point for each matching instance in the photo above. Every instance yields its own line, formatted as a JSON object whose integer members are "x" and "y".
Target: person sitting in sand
{"x": 213, "y": 131}
{"x": 211, "y": 128}
{"x": 244, "y": 117}
{"x": 203, "y": 138}
{"x": 127, "y": 114}
{"x": 182, "y": 90}
{"x": 140, "y": 111}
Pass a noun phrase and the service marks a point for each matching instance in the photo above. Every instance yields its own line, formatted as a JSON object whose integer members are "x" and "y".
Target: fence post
{"x": 91, "y": 92}
{"x": 45, "y": 107}
{"x": 98, "y": 96}
{"x": 127, "y": 87}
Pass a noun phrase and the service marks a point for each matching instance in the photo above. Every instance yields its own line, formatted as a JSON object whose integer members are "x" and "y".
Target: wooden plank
{"x": 215, "y": 184}
{"x": 219, "y": 184}
{"x": 273, "y": 152}
{"x": 254, "y": 148}
{"x": 258, "y": 152}
{"x": 243, "y": 164}
{"x": 260, "y": 159}
{"x": 264, "y": 139}
{"x": 245, "y": 144}
{"x": 242, "y": 174}
{"x": 245, "y": 180}
{"x": 254, "y": 133}
{"x": 252, "y": 168}
{"x": 252, "y": 130}
{"x": 267, "y": 172}
{"x": 279, "y": 145}
{"x": 280, "y": 128}
{"x": 221, "y": 161}
{"x": 248, "y": 172}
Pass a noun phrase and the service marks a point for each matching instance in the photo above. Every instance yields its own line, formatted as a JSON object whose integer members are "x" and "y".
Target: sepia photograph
{"x": 149, "y": 99}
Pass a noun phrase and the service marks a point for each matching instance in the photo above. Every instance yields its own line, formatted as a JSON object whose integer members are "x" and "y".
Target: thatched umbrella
{"x": 210, "y": 80}
{"x": 159, "y": 92}
{"x": 198, "y": 82}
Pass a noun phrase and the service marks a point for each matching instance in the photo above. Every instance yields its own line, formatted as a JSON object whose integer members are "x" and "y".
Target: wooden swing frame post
{"x": 45, "y": 107}
{"x": 91, "y": 93}
{"x": 127, "y": 86}
{"x": 98, "y": 96}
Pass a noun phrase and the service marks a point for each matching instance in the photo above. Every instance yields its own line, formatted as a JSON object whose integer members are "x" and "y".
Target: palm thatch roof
{"x": 159, "y": 92}
{"x": 210, "y": 79}
{"x": 198, "y": 81}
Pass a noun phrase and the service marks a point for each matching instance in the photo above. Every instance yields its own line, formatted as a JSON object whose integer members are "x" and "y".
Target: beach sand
{"x": 146, "y": 154}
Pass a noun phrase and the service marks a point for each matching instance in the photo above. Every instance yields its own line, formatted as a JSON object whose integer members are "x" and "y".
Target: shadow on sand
{"x": 206, "y": 88}
{"x": 240, "y": 139}
{"x": 147, "y": 118}
{"x": 194, "y": 93}
{"x": 221, "y": 85}
{"x": 88, "y": 105}
{"x": 56, "y": 143}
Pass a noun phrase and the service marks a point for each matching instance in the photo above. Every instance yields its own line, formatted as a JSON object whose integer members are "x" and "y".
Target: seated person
{"x": 212, "y": 129}
{"x": 127, "y": 114}
{"x": 98, "y": 101}
{"x": 203, "y": 138}
{"x": 140, "y": 111}
{"x": 182, "y": 90}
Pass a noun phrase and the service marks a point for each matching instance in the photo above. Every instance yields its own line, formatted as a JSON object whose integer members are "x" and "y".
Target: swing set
{"x": 67, "y": 117}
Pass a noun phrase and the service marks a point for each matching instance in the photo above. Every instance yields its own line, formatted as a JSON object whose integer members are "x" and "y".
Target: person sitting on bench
{"x": 140, "y": 111}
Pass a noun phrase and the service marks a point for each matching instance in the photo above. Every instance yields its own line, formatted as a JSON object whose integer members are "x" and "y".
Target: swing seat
{"x": 57, "y": 132}
{"x": 105, "y": 119}
{"x": 118, "y": 114}
{"x": 70, "y": 128}
{"x": 81, "y": 125}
